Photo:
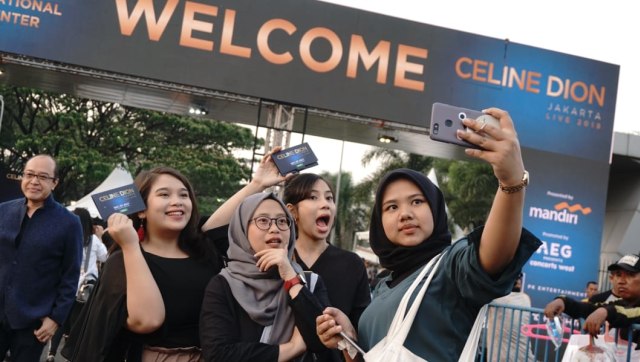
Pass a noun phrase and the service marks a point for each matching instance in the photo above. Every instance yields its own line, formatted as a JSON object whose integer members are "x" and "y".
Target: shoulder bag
{"x": 391, "y": 348}
{"x": 89, "y": 281}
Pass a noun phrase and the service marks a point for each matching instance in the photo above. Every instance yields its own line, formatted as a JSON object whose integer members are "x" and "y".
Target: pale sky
{"x": 591, "y": 29}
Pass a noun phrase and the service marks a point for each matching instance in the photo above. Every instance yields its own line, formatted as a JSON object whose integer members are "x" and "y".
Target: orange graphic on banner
{"x": 574, "y": 208}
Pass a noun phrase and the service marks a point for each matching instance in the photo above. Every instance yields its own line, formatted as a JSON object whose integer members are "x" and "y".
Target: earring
{"x": 141, "y": 230}
{"x": 141, "y": 233}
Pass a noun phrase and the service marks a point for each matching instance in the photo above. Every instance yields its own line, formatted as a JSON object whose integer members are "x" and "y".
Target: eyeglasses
{"x": 283, "y": 223}
{"x": 30, "y": 175}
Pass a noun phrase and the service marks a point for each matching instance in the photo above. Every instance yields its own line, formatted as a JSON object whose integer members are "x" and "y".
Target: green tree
{"x": 351, "y": 216}
{"x": 89, "y": 138}
{"x": 469, "y": 188}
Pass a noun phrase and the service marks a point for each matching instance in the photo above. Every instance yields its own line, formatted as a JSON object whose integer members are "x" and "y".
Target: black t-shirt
{"x": 182, "y": 283}
{"x": 345, "y": 277}
{"x": 100, "y": 333}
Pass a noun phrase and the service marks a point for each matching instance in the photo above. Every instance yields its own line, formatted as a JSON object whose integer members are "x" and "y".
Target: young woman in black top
{"x": 147, "y": 301}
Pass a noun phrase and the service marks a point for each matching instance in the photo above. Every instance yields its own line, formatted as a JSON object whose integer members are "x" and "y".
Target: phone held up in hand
{"x": 447, "y": 119}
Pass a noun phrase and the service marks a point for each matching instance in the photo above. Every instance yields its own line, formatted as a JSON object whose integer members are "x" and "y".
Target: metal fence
{"x": 519, "y": 334}
{"x": 635, "y": 328}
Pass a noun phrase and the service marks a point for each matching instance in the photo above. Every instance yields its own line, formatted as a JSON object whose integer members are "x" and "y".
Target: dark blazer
{"x": 39, "y": 262}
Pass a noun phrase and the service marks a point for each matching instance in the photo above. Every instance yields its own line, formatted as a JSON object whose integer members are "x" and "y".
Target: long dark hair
{"x": 190, "y": 240}
{"x": 87, "y": 224}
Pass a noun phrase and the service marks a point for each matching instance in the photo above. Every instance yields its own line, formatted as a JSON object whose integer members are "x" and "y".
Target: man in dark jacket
{"x": 620, "y": 313}
{"x": 40, "y": 254}
{"x": 609, "y": 295}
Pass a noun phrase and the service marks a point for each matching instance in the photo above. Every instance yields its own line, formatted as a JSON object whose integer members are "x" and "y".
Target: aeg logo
{"x": 562, "y": 212}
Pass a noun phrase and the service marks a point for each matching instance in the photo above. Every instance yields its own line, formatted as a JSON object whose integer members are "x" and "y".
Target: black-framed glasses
{"x": 283, "y": 223}
{"x": 30, "y": 175}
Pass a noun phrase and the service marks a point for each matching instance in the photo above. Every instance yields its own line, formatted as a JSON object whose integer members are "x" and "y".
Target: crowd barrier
{"x": 634, "y": 329}
{"x": 519, "y": 334}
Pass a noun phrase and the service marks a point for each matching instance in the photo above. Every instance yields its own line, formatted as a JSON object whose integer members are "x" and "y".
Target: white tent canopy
{"x": 118, "y": 177}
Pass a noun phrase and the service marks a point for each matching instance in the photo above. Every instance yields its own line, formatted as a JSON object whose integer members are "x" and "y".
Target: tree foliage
{"x": 469, "y": 188}
{"x": 351, "y": 215}
{"x": 89, "y": 138}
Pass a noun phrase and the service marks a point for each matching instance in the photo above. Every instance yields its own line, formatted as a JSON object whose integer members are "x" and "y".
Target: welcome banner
{"x": 336, "y": 58}
{"x": 326, "y": 56}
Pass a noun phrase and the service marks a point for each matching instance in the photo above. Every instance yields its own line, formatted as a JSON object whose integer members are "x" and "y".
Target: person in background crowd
{"x": 409, "y": 228}
{"x": 40, "y": 254}
{"x": 94, "y": 252}
{"x": 505, "y": 340}
{"x": 590, "y": 290}
{"x": 609, "y": 295}
{"x": 146, "y": 304}
{"x": 620, "y": 313}
{"x": 372, "y": 273}
{"x": 98, "y": 230}
{"x": 382, "y": 274}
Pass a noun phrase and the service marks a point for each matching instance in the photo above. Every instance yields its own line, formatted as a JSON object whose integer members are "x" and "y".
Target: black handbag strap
{"x": 87, "y": 250}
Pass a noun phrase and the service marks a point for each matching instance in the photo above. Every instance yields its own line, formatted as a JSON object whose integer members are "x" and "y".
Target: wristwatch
{"x": 298, "y": 279}
{"x": 513, "y": 189}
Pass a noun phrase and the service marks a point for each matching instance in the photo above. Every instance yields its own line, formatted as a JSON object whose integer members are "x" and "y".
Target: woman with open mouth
{"x": 310, "y": 198}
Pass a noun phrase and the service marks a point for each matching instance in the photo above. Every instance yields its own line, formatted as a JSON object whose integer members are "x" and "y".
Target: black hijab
{"x": 403, "y": 260}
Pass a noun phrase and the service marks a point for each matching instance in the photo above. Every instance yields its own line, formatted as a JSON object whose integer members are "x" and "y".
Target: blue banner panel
{"x": 326, "y": 56}
{"x": 564, "y": 207}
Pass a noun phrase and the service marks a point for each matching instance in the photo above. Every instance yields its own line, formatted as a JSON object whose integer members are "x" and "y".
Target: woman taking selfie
{"x": 409, "y": 230}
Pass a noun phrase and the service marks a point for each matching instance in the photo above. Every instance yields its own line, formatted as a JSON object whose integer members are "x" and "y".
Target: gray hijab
{"x": 260, "y": 294}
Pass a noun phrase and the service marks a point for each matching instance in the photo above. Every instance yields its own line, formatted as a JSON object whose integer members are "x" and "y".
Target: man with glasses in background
{"x": 40, "y": 254}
